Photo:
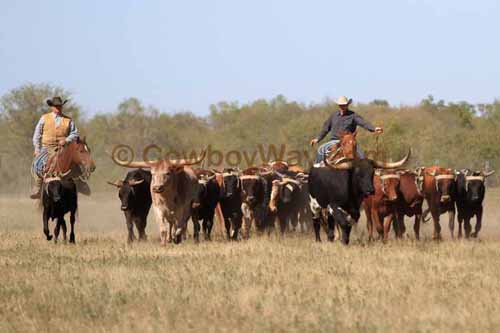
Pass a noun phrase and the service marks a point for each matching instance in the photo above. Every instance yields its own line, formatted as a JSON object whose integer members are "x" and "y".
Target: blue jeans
{"x": 323, "y": 150}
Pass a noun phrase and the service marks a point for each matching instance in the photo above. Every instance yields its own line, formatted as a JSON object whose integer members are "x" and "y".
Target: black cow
{"x": 205, "y": 203}
{"x": 135, "y": 196}
{"x": 340, "y": 189}
{"x": 470, "y": 192}
{"x": 230, "y": 201}
{"x": 59, "y": 197}
{"x": 287, "y": 198}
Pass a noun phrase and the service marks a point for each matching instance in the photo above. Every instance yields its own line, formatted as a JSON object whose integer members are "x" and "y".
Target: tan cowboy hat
{"x": 56, "y": 101}
{"x": 342, "y": 100}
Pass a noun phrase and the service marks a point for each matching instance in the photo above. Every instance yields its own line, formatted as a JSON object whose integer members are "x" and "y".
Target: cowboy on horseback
{"x": 54, "y": 131}
{"x": 342, "y": 121}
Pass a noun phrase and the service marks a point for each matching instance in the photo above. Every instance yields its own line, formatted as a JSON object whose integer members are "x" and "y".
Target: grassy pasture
{"x": 264, "y": 284}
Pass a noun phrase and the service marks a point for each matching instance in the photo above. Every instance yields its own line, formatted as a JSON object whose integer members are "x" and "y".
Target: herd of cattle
{"x": 330, "y": 196}
{"x": 276, "y": 195}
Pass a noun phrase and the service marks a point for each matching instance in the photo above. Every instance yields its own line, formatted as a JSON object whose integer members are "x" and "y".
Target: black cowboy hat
{"x": 56, "y": 101}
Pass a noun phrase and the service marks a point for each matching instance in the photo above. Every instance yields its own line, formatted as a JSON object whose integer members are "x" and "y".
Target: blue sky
{"x": 186, "y": 55}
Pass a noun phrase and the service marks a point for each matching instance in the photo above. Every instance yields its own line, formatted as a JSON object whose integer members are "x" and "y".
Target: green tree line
{"x": 456, "y": 135}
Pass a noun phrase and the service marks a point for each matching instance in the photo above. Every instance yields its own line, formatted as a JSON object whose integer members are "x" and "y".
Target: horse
{"x": 59, "y": 195}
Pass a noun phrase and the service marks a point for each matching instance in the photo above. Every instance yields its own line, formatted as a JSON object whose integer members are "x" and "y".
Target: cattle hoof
{"x": 49, "y": 237}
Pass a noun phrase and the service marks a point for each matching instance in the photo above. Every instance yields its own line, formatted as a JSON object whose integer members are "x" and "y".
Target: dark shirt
{"x": 347, "y": 122}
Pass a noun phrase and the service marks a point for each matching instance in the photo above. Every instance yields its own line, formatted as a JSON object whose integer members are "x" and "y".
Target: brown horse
{"x": 73, "y": 160}
{"x": 346, "y": 149}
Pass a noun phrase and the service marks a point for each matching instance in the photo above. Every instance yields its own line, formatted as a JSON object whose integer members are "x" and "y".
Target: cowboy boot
{"x": 37, "y": 186}
{"x": 82, "y": 187}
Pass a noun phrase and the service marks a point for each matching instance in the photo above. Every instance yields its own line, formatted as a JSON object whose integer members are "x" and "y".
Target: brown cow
{"x": 381, "y": 206}
{"x": 174, "y": 187}
{"x": 409, "y": 203}
{"x": 439, "y": 192}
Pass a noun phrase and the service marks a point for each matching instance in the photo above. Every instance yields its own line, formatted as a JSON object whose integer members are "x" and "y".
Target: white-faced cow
{"x": 469, "y": 199}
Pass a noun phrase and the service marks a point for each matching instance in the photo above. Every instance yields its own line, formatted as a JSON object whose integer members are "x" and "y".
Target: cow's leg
{"x": 46, "y": 230}
{"x": 196, "y": 228}
{"x": 210, "y": 225}
{"x": 387, "y": 226}
{"x": 64, "y": 229}
{"x": 227, "y": 223}
{"x": 378, "y": 225}
{"x": 451, "y": 222}
{"x": 467, "y": 226}
{"x": 72, "y": 220}
{"x": 317, "y": 228}
{"x": 316, "y": 213}
{"x": 369, "y": 224}
{"x": 204, "y": 227}
{"x": 331, "y": 228}
{"x": 399, "y": 224}
{"x": 283, "y": 223}
{"x": 130, "y": 229}
{"x": 460, "y": 220}
{"x": 140, "y": 224}
{"x": 416, "y": 225}
{"x": 236, "y": 226}
{"x": 346, "y": 231}
{"x": 247, "y": 220}
{"x": 57, "y": 229}
{"x": 437, "y": 227}
{"x": 479, "y": 220}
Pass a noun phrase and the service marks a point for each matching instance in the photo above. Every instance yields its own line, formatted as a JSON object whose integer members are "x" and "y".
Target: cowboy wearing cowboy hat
{"x": 54, "y": 129}
{"x": 344, "y": 120}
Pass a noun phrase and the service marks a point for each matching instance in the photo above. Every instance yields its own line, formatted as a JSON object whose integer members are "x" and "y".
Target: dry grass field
{"x": 264, "y": 284}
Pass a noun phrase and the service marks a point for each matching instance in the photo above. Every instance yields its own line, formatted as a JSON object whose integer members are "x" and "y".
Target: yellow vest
{"x": 52, "y": 134}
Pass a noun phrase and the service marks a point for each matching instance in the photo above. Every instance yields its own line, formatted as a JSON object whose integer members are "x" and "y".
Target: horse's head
{"x": 348, "y": 144}
{"x": 82, "y": 157}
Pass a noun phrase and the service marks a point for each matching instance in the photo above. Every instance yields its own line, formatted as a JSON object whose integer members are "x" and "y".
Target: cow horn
{"x": 488, "y": 173}
{"x": 117, "y": 183}
{"x": 191, "y": 161}
{"x": 133, "y": 182}
{"x": 392, "y": 165}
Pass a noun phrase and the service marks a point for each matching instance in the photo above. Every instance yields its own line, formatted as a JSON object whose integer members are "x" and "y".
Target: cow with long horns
{"x": 205, "y": 203}
{"x": 287, "y": 198}
{"x": 135, "y": 198}
{"x": 230, "y": 201}
{"x": 380, "y": 207}
{"x": 174, "y": 187}
{"x": 439, "y": 191}
{"x": 340, "y": 188}
{"x": 409, "y": 203}
{"x": 469, "y": 199}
